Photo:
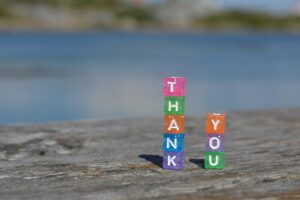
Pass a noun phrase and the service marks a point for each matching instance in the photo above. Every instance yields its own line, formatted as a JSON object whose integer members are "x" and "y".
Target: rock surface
{"x": 121, "y": 160}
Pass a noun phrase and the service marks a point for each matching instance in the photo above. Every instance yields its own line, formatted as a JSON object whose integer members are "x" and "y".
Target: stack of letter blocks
{"x": 214, "y": 139}
{"x": 174, "y": 126}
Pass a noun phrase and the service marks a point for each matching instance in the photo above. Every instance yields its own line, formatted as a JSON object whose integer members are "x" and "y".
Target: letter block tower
{"x": 174, "y": 126}
{"x": 214, "y": 140}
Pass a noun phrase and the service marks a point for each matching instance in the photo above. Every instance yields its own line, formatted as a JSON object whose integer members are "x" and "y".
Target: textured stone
{"x": 121, "y": 159}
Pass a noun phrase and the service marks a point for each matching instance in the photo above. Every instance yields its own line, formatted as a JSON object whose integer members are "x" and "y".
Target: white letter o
{"x": 211, "y": 143}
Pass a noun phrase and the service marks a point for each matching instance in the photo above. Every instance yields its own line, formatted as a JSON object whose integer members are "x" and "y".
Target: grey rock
{"x": 121, "y": 159}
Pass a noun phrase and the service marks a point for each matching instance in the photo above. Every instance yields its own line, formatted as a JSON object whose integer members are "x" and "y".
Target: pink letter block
{"x": 174, "y": 86}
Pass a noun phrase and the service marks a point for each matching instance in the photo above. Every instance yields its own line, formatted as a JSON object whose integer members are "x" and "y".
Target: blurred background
{"x": 105, "y": 59}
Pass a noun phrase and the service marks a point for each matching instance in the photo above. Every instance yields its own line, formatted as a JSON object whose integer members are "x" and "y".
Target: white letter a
{"x": 173, "y": 124}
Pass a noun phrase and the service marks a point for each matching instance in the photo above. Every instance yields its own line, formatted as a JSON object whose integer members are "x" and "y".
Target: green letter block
{"x": 174, "y": 105}
{"x": 214, "y": 160}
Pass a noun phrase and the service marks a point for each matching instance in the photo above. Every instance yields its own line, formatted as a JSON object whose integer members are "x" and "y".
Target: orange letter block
{"x": 215, "y": 123}
{"x": 174, "y": 124}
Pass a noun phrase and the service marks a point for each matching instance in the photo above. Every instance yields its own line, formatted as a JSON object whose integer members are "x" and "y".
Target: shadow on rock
{"x": 155, "y": 159}
{"x": 199, "y": 162}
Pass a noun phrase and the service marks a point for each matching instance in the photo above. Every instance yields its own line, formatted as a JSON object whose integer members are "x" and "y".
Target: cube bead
{"x": 214, "y": 142}
{"x": 215, "y": 123}
{"x": 174, "y": 124}
{"x": 174, "y": 86}
{"x": 173, "y": 142}
{"x": 174, "y": 105}
{"x": 214, "y": 160}
{"x": 173, "y": 160}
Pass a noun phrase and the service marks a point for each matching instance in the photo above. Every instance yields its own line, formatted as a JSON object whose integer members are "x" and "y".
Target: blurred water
{"x": 106, "y": 75}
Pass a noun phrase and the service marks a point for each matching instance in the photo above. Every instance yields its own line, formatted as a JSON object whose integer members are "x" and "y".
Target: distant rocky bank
{"x": 121, "y": 159}
{"x": 78, "y": 15}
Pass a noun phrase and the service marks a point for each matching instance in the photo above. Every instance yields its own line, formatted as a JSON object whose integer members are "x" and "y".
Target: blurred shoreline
{"x": 38, "y": 29}
{"x": 124, "y": 15}
{"x": 27, "y": 28}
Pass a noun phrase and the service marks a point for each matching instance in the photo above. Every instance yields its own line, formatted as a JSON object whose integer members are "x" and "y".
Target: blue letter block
{"x": 173, "y": 142}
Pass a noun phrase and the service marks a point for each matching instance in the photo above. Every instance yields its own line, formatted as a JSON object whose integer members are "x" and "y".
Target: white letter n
{"x": 173, "y": 144}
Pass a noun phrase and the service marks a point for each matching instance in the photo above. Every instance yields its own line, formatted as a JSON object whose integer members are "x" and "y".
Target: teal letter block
{"x": 174, "y": 105}
{"x": 214, "y": 160}
{"x": 173, "y": 142}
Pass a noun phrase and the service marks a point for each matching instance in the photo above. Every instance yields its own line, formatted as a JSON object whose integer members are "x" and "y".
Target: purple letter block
{"x": 173, "y": 160}
{"x": 174, "y": 86}
{"x": 214, "y": 142}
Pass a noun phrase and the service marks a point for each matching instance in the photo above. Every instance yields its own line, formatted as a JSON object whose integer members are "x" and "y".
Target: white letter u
{"x": 211, "y": 162}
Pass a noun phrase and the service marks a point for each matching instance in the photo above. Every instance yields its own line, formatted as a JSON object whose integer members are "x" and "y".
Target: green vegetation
{"x": 250, "y": 20}
{"x": 139, "y": 14}
{"x": 118, "y": 7}
{"x": 120, "y": 14}
{"x": 108, "y": 4}
{"x": 4, "y": 13}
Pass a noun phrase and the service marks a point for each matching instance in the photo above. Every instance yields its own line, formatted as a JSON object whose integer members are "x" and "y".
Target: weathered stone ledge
{"x": 121, "y": 160}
